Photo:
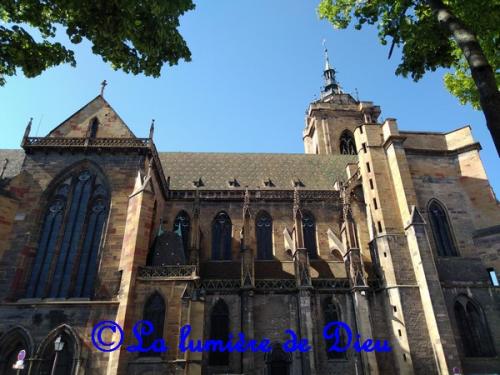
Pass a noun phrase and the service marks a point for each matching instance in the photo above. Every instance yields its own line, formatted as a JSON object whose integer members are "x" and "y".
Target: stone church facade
{"x": 395, "y": 233}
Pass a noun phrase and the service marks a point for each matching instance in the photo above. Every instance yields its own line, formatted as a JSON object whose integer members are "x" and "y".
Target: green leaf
{"x": 134, "y": 36}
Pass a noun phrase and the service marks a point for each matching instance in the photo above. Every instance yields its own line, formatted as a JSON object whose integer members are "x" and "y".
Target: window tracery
{"x": 441, "y": 230}
{"x": 221, "y": 237}
{"x": 264, "y": 235}
{"x": 347, "y": 143}
{"x": 66, "y": 259}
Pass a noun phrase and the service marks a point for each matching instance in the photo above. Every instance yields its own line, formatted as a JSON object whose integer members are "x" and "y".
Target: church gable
{"x": 97, "y": 119}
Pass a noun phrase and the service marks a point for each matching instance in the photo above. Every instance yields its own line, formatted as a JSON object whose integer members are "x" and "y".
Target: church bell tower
{"x": 331, "y": 120}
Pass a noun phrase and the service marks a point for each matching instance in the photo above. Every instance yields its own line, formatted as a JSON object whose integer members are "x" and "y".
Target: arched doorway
{"x": 278, "y": 361}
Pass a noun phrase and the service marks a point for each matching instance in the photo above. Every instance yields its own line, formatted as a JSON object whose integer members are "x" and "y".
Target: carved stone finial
{"x": 103, "y": 86}
{"x": 246, "y": 199}
{"x": 327, "y": 60}
{"x": 28, "y": 128}
{"x": 296, "y": 201}
{"x": 196, "y": 205}
{"x": 150, "y": 167}
{"x": 6, "y": 161}
{"x": 152, "y": 129}
{"x": 246, "y": 203}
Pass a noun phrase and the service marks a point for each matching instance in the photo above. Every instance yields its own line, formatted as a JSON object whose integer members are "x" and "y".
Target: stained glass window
{"x": 264, "y": 235}
{"x": 221, "y": 237}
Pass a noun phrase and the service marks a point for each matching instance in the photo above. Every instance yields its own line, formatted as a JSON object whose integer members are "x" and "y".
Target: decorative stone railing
{"x": 220, "y": 284}
{"x": 167, "y": 272}
{"x": 276, "y": 284}
{"x": 238, "y": 195}
{"x": 325, "y": 284}
{"x": 32, "y": 142}
{"x": 189, "y": 271}
{"x": 273, "y": 284}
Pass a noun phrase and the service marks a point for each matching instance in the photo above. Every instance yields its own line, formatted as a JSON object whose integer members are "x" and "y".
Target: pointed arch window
{"x": 93, "y": 128}
{"x": 441, "y": 229}
{"x": 264, "y": 235}
{"x": 309, "y": 232}
{"x": 182, "y": 226}
{"x": 473, "y": 328}
{"x": 347, "y": 144}
{"x": 219, "y": 330}
{"x": 65, "y": 264}
{"x": 221, "y": 237}
{"x": 331, "y": 313}
{"x": 154, "y": 312}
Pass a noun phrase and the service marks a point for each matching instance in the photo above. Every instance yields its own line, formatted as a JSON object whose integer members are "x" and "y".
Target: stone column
{"x": 247, "y": 286}
{"x": 194, "y": 243}
{"x": 196, "y": 319}
{"x": 303, "y": 280}
{"x": 134, "y": 252}
{"x": 435, "y": 310}
{"x": 359, "y": 287}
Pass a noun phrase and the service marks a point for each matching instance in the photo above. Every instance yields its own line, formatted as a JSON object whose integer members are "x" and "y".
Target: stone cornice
{"x": 393, "y": 139}
{"x": 427, "y": 151}
{"x": 454, "y": 152}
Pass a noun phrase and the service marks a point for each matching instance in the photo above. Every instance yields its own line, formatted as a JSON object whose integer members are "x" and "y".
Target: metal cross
{"x": 103, "y": 85}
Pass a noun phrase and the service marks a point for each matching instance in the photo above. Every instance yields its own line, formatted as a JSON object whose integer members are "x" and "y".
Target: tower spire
{"x": 327, "y": 60}
{"x": 331, "y": 84}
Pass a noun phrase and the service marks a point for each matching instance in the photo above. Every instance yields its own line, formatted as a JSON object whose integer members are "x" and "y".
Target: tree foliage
{"x": 135, "y": 36}
{"x": 413, "y": 26}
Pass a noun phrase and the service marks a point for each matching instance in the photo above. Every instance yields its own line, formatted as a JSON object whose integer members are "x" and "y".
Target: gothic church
{"x": 396, "y": 233}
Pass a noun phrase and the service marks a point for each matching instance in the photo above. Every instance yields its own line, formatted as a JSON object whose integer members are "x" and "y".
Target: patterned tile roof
{"x": 219, "y": 171}
{"x": 14, "y": 160}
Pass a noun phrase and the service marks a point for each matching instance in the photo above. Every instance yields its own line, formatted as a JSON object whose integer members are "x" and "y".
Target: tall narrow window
{"x": 182, "y": 226}
{"x": 309, "y": 231}
{"x": 94, "y": 126}
{"x": 441, "y": 230}
{"x": 474, "y": 332}
{"x": 264, "y": 235}
{"x": 347, "y": 144}
{"x": 219, "y": 330}
{"x": 221, "y": 237}
{"x": 154, "y": 312}
{"x": 50, "y": 232}
{"x": 66, "y": 260}
{"x": 331, "y": 313}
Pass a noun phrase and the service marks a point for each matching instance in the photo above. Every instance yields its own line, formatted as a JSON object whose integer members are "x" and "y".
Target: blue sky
{"x": 255, "y": 67}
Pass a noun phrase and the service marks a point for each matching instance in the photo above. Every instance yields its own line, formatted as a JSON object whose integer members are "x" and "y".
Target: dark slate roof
{"x": 316, "y": 172}
{"x": 15, "y": 160}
